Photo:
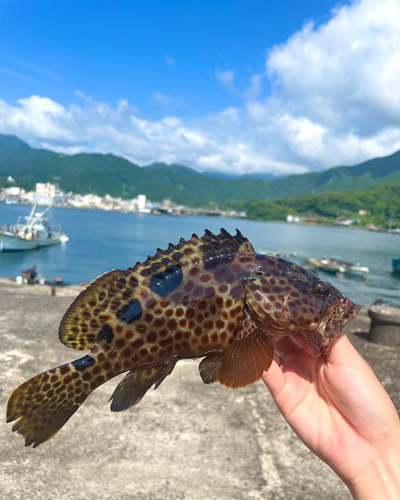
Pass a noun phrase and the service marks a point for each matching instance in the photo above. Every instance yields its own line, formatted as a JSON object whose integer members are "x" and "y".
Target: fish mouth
{"x": 343, "y": 312}
{"x": 331, "y": 329}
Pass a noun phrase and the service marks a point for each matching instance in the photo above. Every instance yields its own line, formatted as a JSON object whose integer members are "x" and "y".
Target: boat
{"x": 35, "y": 233}
{"x": 396, "y": 266}
{"x": 335, "y": 266}
{"x": 324, "y": 265}
{"x": 354, "y": 270}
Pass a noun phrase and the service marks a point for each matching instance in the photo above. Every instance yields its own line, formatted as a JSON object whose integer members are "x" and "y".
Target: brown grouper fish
{"x": 211, "y": 297}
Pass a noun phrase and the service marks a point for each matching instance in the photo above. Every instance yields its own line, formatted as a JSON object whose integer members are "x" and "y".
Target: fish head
{"x": 298, "y": 301}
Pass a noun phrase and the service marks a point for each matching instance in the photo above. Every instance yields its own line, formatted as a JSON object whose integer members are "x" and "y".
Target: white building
{"x": 15, "y": 191}
{"x": 92, "y": 201}
{"x": 141, "y": 203}
{"x": 46, "y": 189}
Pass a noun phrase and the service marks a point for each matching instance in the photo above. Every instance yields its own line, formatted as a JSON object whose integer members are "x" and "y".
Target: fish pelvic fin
{"x": 133, "y": 387}
{"x": 43, "y": 404}
{"x": 210, "y": 366}
{"x": 250, "y": 354}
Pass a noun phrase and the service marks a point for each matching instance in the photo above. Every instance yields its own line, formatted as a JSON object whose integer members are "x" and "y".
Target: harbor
{"x": 100, "y": 241}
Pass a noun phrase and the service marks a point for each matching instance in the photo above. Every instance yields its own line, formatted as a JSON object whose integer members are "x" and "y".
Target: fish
{"x": 212, "y": 297}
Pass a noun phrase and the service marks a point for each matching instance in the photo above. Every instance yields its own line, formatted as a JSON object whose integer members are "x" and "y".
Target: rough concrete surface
{"x": 184, "y": 441}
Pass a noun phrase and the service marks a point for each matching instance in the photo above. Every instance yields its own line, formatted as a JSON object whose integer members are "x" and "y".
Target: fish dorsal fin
{"x": 85, "y": 322}
{"x": 106, "y": 299}
{"x": 130, "y": 391}
{"x": 250, "y": 354}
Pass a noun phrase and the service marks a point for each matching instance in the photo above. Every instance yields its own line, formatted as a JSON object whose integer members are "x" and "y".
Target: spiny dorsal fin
{"x": 87, "y": 320}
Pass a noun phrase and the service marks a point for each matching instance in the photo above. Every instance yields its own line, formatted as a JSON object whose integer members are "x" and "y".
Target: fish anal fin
{"x": 133, "y": 387}
{"x": 250, "y": 354}
{"x": 209, "y": 367}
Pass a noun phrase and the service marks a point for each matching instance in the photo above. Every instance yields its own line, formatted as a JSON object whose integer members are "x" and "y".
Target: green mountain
{"x": 109, "y": 174}
{"x": 13, "y": 150}
{"x": 363, "y": 176}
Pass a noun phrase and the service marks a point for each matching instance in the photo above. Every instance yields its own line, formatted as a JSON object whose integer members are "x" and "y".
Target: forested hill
{"x": 380, "y": 203}
{"x": 363, "y": 176}
{"x": 109, "y": 174}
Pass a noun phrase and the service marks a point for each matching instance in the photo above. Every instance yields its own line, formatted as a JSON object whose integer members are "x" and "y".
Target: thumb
{"x": 274, "y": 379}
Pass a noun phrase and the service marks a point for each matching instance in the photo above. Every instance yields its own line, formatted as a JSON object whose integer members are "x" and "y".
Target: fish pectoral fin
{"x": 209, "y": 367}
{"x": 130, "y": 391}
{"x": 250, "y": 354}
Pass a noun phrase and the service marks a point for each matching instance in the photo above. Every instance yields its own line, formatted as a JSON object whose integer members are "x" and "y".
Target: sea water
{"x": 100, "y": 241}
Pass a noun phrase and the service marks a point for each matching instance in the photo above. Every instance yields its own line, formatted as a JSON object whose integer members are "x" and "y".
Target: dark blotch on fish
{"x": 82, "y": 363}
{"x": 167, "y": 281}
{"x": 130, "y": 312}
{"x": 106, "y": 333}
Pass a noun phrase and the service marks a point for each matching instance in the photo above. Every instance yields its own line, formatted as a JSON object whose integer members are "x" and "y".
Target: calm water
{"x": 101, "y": 241}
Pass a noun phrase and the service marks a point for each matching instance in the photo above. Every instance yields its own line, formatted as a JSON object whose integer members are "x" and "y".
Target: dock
{"x": 186, "y": 440}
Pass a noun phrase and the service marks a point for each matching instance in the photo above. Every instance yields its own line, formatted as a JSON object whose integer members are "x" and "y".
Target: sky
{"x": 231, "y": 86}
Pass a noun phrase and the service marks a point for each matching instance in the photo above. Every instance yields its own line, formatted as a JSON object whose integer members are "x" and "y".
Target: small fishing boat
{"x": 338, "y": 266}
{"x": 354, "y": 270}
{"x": 326, "y": 265}
{"x": 35, "y": 233}
{"x": 396, "y": 266}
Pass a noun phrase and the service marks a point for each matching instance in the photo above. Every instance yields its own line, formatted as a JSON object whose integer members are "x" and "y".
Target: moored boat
{"x": 338, "y": 266}
{"x": 35, "y": 233}
{"x": 326, "y": 265}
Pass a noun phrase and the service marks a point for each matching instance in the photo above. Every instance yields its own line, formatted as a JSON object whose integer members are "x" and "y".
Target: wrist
{"x": 381, "y": 478}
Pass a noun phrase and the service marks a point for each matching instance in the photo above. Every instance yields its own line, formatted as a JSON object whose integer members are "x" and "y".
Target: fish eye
{"x": 321, "y": 288}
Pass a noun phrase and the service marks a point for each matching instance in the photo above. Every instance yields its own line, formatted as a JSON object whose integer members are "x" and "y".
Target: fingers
{"x": 274, "y": 379}
{"x": 342, "y": 351}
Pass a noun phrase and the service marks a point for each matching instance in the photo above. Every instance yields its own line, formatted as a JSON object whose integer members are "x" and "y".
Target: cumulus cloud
{"x": 342, "y": 80}
{"x": 335, "y": 99}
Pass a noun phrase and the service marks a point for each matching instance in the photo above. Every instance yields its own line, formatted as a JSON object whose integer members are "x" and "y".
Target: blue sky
{"x": 215, "y": 85}
{"x": 130, "y": 50}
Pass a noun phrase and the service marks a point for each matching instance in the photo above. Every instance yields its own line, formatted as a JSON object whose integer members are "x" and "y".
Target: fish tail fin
{"x": 46, "y": 402}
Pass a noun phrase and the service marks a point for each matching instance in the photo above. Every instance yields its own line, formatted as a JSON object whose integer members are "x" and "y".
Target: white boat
{"x": 338, "y": 266}
{"x": 35, "y": 233}
{"x": 326, "y": 265}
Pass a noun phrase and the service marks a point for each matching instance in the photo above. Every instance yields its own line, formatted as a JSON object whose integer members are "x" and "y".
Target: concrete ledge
{"x": 184, "y": 441}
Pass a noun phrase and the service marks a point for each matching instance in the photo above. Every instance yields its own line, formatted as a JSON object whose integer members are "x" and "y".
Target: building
{"x": 141, "y": 203}
{"x": 46, "y": 189}
{"x": 14, "y": 191}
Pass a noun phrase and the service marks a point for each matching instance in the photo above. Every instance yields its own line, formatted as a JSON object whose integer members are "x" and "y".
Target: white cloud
{"x": 335, "y": 100}
{"x": 170, "y": 61}
{"x": 255, "y": 89}
{"x": 344, "y": 78}
{"x": 227, "y": 79}
{"x": 168, "y": 101}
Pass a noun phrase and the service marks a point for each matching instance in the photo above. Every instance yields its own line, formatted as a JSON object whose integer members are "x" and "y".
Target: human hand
{"x": 341, "y": 412}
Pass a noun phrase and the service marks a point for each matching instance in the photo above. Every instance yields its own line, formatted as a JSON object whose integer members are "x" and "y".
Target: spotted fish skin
{"x": 210, "y": 297}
